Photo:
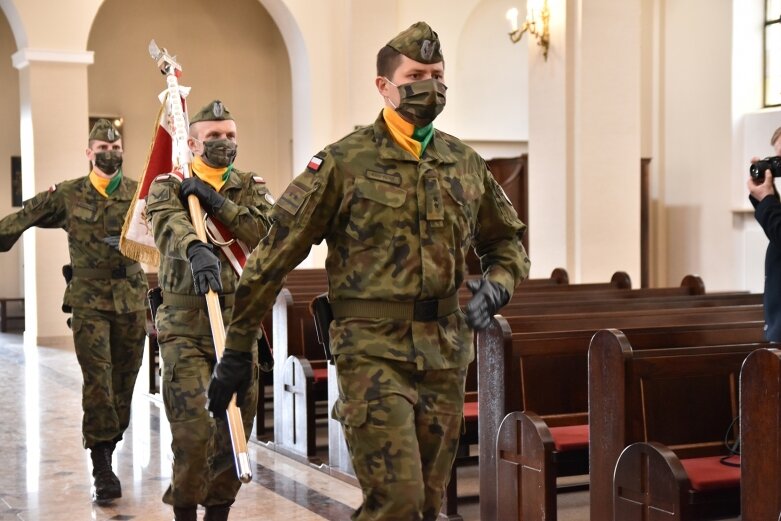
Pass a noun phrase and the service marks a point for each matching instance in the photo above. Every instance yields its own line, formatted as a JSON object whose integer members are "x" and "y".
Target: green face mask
{"x": 421, "y": 101}
{"x": 108, "y": 161}
{"x": 219, "y": 153}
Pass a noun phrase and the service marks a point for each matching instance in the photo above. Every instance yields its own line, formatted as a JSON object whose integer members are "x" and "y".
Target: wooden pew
{"x": 519, "y": 307}
{"x": 299, "y": 358}
{"x": 300, "y": 378}
{"x": 552, "y": 372}
{"x": 685, "y": 398}
{"x": 5, "y": 316}
{"x": 690, "y": 286}
{"x": 295, "y": 434}
{"x": 760, "y": 436}
{"x": 301, "y": 283}
{"x": 558, "y": 276}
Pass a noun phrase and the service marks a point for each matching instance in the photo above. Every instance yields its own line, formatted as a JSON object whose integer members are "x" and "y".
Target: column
{"x": 54, "y": 128}
{"x": 584, "y": 142}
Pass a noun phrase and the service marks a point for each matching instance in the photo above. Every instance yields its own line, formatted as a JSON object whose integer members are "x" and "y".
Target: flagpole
{"x": 180, "y": 151}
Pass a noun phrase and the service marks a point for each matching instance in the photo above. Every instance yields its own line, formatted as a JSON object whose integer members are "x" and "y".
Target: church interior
{"x": 622, "y": 132}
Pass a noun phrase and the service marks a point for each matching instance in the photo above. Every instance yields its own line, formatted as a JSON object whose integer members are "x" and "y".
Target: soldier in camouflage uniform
{"x": 399, "y": 204}
{"x": 107, "y": 292}
{"x": 203, "y": 470}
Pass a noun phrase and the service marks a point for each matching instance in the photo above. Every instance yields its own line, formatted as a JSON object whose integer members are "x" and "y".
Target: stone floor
{"x": 46, "y": 473}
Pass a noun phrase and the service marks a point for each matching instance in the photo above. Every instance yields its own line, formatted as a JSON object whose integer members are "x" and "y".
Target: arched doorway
{"x": 234, "y": 52}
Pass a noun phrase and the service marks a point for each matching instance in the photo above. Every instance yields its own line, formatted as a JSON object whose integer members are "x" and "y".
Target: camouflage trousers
{"x": 109, "y": 348}
{"x": 402, "y": 428}
{"x": 203, "y": 467}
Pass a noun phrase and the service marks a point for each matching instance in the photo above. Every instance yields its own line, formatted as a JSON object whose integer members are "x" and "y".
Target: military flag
{"x": 136, "y": 240}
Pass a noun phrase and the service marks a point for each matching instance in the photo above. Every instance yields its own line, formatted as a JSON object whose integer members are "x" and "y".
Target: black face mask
{"x": 421, "y": 101}
{"x": 109, "y": 161}
{"x": 219, "y": 153}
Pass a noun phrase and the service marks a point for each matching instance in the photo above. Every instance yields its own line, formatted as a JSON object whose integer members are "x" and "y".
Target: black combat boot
{"x": 185, "y": 513}
{"x": 107, "y": 485}
{"x": 217, "y": 513}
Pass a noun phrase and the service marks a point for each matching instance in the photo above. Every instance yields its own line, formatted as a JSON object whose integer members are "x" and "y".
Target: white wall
{"x": 698, "y": 138}
{"x": 491, "y": 79}
{"x": 584, "y": 142}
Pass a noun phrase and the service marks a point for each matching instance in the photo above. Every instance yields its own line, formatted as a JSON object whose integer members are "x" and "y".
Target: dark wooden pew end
{"x": 649, "y": 477}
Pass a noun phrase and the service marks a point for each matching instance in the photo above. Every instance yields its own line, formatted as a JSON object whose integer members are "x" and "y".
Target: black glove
{"x": 487, "y": 298}
{"x": 232, "y": 374}
{"x": 210, "y": 199}
{"x": 205, "y": 267}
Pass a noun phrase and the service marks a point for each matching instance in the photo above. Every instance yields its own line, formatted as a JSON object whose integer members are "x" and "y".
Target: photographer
{"x": 767, "y": 210}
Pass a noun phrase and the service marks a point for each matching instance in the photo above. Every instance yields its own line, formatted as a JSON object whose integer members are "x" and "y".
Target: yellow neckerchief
{"x": 105, "y": 185}
{"x": 216, "y": 177}
{"x": 401, "y": 131}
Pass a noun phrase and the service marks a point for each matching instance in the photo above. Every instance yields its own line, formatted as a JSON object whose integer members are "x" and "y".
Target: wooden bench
{"x": 5, "y": 316}
{"x": 300, "y": 285}
{"x": 546, "y": 372}
{"x": 301, "y": 360}
{"x": 300, "y": 378}
{"x": 671, "y": 410}
{"x": 760, "y": 436}
{"x": 294, "y": 336}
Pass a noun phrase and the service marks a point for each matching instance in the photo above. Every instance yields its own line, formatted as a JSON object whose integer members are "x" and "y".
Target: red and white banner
{"x": 137, "y": 241}
{"x": 235, "y": 250}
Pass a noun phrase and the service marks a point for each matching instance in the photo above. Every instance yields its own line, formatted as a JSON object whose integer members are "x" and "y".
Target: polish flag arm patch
{"x": 315, "y": 163}
{"x": 258, "y": 179}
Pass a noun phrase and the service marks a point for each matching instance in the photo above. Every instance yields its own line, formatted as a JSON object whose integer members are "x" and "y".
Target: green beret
{"x": 419, "y": 42}
{"x": 213, "y": 111}
{"x": 103, "y": 130}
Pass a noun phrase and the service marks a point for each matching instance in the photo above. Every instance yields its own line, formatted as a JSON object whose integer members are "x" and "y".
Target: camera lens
{"x": 755, "y": 170}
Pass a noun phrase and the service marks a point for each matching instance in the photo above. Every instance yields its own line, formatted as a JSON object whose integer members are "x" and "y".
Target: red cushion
{"x": 320, "y": 374}
{"x": 709, "y": 473}
{"x": 570, "y": 437}
{"x": 470, "y": 411}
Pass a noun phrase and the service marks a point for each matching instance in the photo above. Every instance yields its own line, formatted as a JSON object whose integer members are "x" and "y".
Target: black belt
{"x": 417, "y": 310}
{"x": 120, "y": 272}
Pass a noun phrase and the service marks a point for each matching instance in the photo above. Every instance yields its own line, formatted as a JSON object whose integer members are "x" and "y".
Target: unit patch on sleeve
{"x": 293, "y": 198}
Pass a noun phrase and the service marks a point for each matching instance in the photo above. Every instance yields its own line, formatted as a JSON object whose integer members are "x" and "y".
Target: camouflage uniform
{"x": 107, "y": 294}
{"x": 203, "y": 471}
{"x": 398, "y": 230}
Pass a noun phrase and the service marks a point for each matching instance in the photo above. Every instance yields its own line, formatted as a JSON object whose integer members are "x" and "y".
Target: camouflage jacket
{"x": 244, "y": 213}
{"x": 88, "y": 218}
{"x": 397, "y": 229}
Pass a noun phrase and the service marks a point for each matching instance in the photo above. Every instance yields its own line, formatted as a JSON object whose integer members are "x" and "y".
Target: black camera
{"x": 769, "y": 163}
